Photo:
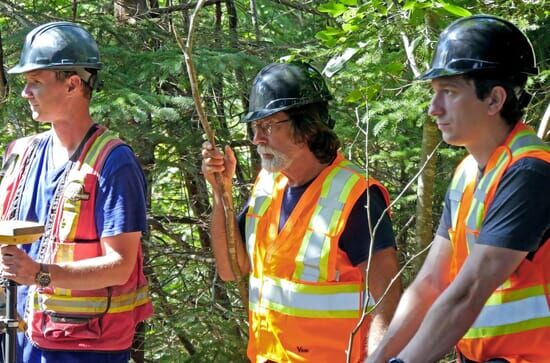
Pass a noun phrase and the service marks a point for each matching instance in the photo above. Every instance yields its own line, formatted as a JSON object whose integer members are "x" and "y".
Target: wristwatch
{"x": 395, "y": 360}
{"x": 43, "y": 277}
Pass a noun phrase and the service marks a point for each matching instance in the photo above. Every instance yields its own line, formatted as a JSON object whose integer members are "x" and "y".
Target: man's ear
{"x": 74, "y": 83}
{"x": 496, "y": 100}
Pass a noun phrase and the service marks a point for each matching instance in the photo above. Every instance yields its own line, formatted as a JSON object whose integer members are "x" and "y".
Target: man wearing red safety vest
{"x": 83, "y": 291}
{"x": 305, "y": 228}
{"x": 485, "y": 284}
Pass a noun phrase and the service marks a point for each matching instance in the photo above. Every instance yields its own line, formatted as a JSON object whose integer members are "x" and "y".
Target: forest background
{"x": 370, "y": 52}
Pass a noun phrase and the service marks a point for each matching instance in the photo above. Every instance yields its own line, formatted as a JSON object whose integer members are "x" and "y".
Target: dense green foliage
{"x": 147, "y": 100}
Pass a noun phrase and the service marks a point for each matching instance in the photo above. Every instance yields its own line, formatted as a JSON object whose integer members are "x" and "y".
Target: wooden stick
{"x": 226, "y": 196}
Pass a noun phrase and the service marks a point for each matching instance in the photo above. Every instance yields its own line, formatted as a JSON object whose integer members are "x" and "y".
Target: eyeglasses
{"x": 265, "y": 127}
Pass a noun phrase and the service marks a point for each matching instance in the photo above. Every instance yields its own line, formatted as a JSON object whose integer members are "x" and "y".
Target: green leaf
{"x": 349, "y": 2}
{"x": 410, "y": 5}
{"x": 350, "y": 28}
{"x": 455, "y": 9}
{"x": 332, "y": 8}
{"x": 355, "y": 95}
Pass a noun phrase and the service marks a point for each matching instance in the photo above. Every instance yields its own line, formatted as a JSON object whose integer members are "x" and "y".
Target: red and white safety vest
{"x": 68, "y": 319}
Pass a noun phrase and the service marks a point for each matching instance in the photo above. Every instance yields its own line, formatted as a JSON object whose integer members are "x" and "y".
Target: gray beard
{"x": 277, "y": 163}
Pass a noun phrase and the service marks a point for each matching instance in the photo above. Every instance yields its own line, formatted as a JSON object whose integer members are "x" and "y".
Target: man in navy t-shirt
{"x": 483, "y": 287}
{"x": 83, "y": 290}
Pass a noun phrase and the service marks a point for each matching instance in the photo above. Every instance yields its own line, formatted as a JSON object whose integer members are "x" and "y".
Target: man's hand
{"x": 16, "y": 265}
{"x": 214, "y": 162}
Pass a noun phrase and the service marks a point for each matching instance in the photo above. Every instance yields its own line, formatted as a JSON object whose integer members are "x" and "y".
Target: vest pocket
{"x": 62, "y": 327}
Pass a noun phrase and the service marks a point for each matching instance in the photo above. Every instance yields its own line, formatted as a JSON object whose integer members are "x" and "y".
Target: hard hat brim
{"x": 18, "y": 69}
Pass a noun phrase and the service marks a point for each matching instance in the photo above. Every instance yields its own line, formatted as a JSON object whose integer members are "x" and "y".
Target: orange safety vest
{"x": 514, "y": 323}
{"x": 81, "y": 320}
{"x": 305, "y": 295}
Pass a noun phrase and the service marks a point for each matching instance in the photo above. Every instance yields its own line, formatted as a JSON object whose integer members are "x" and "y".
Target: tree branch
{"x": 410, "y": 56}
{"x": 186, "y": 6}
{"x": 301, "y": 7}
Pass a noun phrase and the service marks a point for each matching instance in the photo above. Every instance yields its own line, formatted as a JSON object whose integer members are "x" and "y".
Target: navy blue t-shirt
{"x": 355, "y": 239}
{"x": 120, "y": 207}
{"x": 519, "y": 216}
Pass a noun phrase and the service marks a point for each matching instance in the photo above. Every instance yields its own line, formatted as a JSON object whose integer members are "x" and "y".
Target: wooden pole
{"x": 226, "y": 196}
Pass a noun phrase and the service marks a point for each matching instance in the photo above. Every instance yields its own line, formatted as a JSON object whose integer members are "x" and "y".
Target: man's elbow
{"x": 123, "y": 272}
{"x": 226, "y": 275}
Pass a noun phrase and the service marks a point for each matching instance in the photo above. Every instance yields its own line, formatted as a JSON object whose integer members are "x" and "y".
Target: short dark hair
{"x": 517, "y": 98}
{"x": 309, "y": 125}
{"x": 63, "y": 75}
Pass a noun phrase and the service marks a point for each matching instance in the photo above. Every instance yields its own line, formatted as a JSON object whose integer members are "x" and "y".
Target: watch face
{"x": 43, "y": 279}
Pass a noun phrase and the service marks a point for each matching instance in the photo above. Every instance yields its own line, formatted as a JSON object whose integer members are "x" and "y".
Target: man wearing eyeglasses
{"x": 306, "y": 228}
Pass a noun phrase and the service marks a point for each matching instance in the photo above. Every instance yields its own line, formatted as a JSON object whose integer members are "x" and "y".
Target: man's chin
{"x": 271, "y": 168}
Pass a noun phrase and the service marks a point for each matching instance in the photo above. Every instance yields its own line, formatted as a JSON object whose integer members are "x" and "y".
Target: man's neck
{"x": 304, "y": 170}
{"x": 485, "y": 145}
{"x": 67, "y": 136}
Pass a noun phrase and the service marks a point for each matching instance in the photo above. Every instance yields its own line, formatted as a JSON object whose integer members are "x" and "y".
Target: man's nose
{"x": 26, "y": 92}
{"x": 436, "y": 106}
{"x": 259, "y": 136}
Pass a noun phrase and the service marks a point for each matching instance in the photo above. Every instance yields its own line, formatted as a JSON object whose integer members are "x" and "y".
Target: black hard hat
{"x": 282, "y": 86}
{"x": 482, "y": 44}
{"x": 60, "y": 46}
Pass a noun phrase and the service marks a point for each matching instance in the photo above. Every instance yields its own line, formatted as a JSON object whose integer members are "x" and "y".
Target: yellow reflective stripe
{"x": 500, "y": 297}
{"x": 91, "y": 304}
{"x": 354, "y": 178}
{"x": 486, "y": 332}
{"x": 328, "y": 182}
{"x": 97, "y": 146}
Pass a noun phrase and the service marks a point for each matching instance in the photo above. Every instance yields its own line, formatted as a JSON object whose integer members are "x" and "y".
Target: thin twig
{"x": 410, "y": 55}
{"x": 544, "y": 128}
{"x": 366, "y": 310}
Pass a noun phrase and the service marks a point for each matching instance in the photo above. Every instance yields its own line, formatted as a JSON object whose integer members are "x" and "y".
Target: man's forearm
{"x": 407, "y": 319}
{"x": 383, "y": 271}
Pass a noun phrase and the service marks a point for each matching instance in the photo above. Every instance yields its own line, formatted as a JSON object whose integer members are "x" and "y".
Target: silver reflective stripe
{"x": 316, "y": 243}
{"x": 312, "y": 257}
{"x": 529, "y": 139}
{"x": 455, "y": 197}
{"x": 513, "y": 312}
{"x": 250, "y": 228}
{"x": 302, "y": 300}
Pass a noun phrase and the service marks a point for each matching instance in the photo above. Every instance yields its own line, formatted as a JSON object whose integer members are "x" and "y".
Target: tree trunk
{"x": 425, "y": 189}
{"x": 3, "y": 79}
{"x": 145, "y": 152}
{"x": 426, "y": 180}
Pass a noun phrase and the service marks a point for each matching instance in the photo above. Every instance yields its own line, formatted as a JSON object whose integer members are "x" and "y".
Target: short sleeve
{"x": 355, "y": 239}
{"x": 120, "y": 200}
{"x": 519, "y": 216}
